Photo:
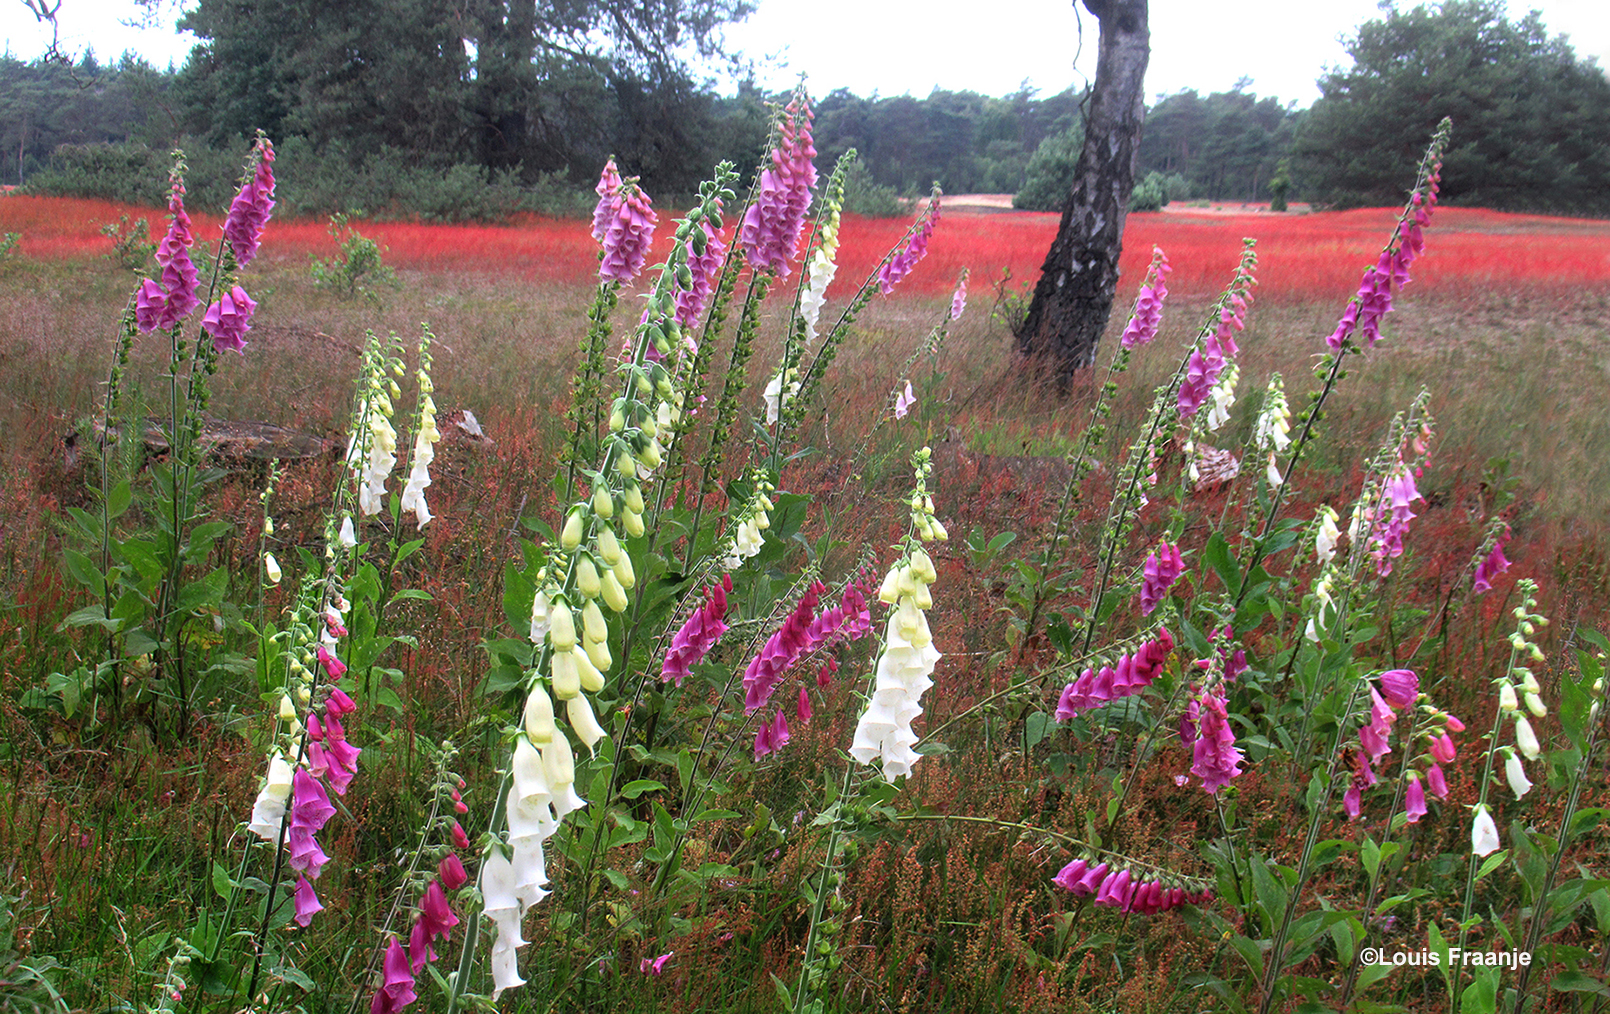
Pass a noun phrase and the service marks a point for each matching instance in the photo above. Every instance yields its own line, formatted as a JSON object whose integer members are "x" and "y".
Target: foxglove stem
{"x": 1528, "y": 590}
{"x": 1330, "y": 373}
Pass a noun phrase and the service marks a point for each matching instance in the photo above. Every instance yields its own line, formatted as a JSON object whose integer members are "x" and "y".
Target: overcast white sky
{"x": 894, "y": 47}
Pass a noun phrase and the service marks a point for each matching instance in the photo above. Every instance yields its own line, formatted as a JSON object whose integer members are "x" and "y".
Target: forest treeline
{"x": 408, "y": 115}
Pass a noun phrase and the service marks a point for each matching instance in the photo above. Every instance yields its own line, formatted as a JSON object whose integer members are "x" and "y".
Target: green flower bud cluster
{"x": 1519, "y": 692}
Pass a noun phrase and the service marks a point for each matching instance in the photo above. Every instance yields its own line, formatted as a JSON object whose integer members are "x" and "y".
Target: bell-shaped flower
{"x": 268, "y": 813}
{"x": 397, "y": 991}
{"x": 580, "y": 715}
{"x": 1516, "y": 773}
{"x": 538, "y": 716}
{"x": 307, "y": 903}
{"x": 1526, "y": 739}
{"x": 560, "y": 765}
{"x": 1484, "y": 833}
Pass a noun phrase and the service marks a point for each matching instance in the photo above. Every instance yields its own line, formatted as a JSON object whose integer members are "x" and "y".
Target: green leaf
{"x": 222, "y": 884}
{"x": 84, "y": 572}
{"x": 118, "y": 499}
{"x": 1577, "y": 982}
{"x": 1216, "y": 554}
{"x": 90, "y": 616}
{"x": 1491, "y": 863}
{"x": 208, "y": 591}
{"x": 633, "y": 789}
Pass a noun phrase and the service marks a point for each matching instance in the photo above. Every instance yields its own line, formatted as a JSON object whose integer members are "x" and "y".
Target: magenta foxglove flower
{"x": 1148, "y": 315}
{"x": 334, "y": 668}
{"x": 1494, "y": 565}
{"x": 1437, "y": 782}
{"x": 628, "y": 234}
{"x": 229, "y": 319}
{"x": 436, "y": 922}
{"x": 803, "y": 711}
{"x": 1400, "y": 687}
{"x": 1215, "y": 757}
{"x": 150, "y": 303}
{"x": 1414, "y": 799}
{"x": 772, "y": 736}
{"x": 903, "y": 404}
{"x": 451, "y": 871}
{"x": 769, "y": 232}
{"x": 310, "y": 810}
{"x": 397, "y": 991}
{"x": 1163, "y": 567}
{"x": 460, "y": 839}
{"x": 1442, "y": 749}
{"x": 958, "y": 299}
{"x": 902, "y": 263}
{"x": 250, "y": 210}
{"x": 608, "y": 189}
{"x": 1387, "y": 532}
{"x": 782, "y": 648}
{"x": 1373, "y": 734}
{"x": 1202, "y": 371}
{"x": 329, "y": 754}
{"x": 699, "y": 634}
{"x": 706, "y": 270}
{"x": 1133, "y": 674}
{"x": 307, "y": 903}
{"x": 178, "y": 273}
{"x": 338, "y": 703}
{"x": 654, "y": 966}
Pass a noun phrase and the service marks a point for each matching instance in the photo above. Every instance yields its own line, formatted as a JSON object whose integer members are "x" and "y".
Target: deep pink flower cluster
{"x": 1162, "y": 568}
{"x": 1205, "y": 365}
{"x": 1398, "y": 691}
{"x": 780, "y": 651}
{"x": 1206, "y": 728}
{"x": 902, "y": 263}
{"x": 310, "y": 811}
{"x": 1374, "y": 300}
{"x": 772, "y": 736}
{"x": 1235, "y": 658}
{"x": 435, "y": 922}
{"x": 769, "y": 233}
{"x": 850, "y": 619}
{"x": 1133, "y": 674}
{"x": 699, "y": 634}
{"x": 250, "y": 210}
{"x": 705, "y": 267}
{"x": 1148, "y": 315}
{"x": 162, "y": 307}
{"x": 1387, "y": 531}
{"x": 608, "y": 189}
{"x": 1494, "y": 565}
{"x": 624, "y": 223}
{"x": 329, "y": 755}
{"x": 229, "y": 319}
{"x": 1120, "y": 889}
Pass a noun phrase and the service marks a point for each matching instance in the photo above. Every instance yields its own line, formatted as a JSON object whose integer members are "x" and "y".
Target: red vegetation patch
{"x": 1320, "y": 255}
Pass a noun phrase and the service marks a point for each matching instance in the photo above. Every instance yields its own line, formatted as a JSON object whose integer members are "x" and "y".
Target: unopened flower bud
{"x": 624, "y": 572}
{"x": 593, "y": 627}
{"x": 539, "y": 727}
{"x": 939, "y": 530}
{"x": 1535, "y": 705}
{"x": 271, "y": 568}
{"x": 617, "y": 419}
{"x": 1506, "y": 697}
{"x": 633, "y": 497}
{"x": 603, "y": 503}
{"x": 632, "y": 521}
{"x": 609, "y": 548}
{"x": 598, "y": 654}
{"x": 564, "y": 675}
{"x": 268, "y": 526}
{"x": 561, "y": 628}
{"x": 287, "y": 709}
{"x": 613, "y": 594}
{"x": 570, "y": 535}
{"x": 626, "y": 465}
{"x": 1537, "y": 654}
{"x": 889, "y": 594}
{"x": 587, "y": 578}
{"x": 592, "y": 680}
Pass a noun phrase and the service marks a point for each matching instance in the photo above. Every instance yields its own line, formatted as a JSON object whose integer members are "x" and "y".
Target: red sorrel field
{"x": 1301, "y": 256}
